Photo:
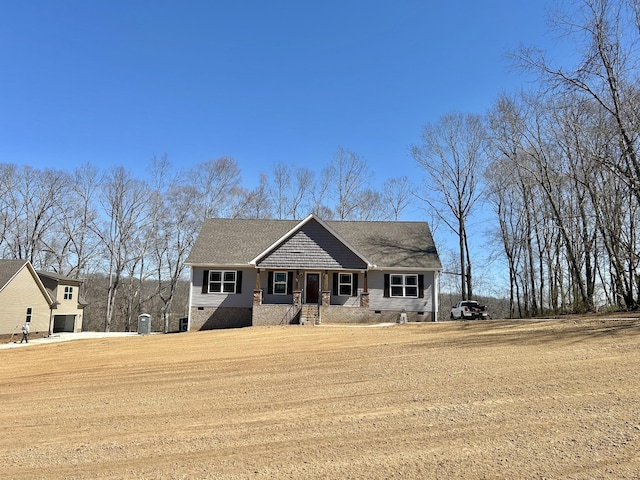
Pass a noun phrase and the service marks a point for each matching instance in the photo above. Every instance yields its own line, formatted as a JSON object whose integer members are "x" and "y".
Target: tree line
{"x": 558, "y": 164}
{"x": 131, "y": 236}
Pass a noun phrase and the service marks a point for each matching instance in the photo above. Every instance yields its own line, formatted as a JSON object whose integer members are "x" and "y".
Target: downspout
{"x": 436, "y": 295}
{"x": 50, "y": 321}
{"x": 52, "y": 307}
{"x": 190, "y": 300}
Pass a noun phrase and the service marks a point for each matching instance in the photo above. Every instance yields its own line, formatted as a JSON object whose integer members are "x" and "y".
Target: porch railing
{"x": 290, "y": 314}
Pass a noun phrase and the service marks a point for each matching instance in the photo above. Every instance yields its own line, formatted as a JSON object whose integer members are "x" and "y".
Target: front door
{"x": 312, "y": 290}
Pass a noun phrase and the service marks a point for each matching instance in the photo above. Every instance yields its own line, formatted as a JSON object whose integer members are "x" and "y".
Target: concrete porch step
{"x": 310, "y": 315}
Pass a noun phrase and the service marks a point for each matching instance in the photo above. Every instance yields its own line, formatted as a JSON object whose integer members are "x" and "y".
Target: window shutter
{"x": 289, "y": 283}
{"x": 239, "y": 281}
{"x": 270, "y": 283}
{"x": 205, "y": 281}
{"x": 354, "y": 285}
{"x": 335, "y": 284}
{"x": 420, "y": 286}
{"x": 386, "y": 285}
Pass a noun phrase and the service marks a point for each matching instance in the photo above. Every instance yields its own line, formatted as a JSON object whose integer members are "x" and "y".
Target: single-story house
{"x": 23, "y": 299}
{"x": 250, "y": 272}
{"x": 68, "y": 307}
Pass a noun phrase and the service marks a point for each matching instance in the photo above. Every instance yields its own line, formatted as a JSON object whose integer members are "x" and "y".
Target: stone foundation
{"x": 326, "y": 298}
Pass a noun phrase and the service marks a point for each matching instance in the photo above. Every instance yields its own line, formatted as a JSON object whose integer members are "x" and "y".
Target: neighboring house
{"x": 23, "y": 299}
{"x": 273, "y": 272}
{"x": 66, "y": 313}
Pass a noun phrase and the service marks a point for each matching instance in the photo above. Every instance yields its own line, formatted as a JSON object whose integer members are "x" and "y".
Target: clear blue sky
{"x": 115, "y": 82}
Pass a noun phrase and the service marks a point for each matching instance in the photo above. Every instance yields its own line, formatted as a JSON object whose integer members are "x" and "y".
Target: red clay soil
{"x": 484, "y": 399}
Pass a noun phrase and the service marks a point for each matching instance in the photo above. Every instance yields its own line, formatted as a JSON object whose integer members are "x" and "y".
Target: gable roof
{"x": 239, "y": 242}
{"x": 10, "y": 268}
{"x": 311, "y": 244}
{"x": 51, "y": 280}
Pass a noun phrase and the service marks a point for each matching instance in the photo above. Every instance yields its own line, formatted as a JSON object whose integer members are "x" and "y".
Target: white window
{"x": 345, "y": 284}
{"x": 404, "y": 286}
{"x": 280, "y": 283}
{"x": 68, "y": 293}
{"x": 222, "y": 281}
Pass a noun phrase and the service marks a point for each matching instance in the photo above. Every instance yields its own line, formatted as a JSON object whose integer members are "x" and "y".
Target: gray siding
{"x": 377, "y": 300}
{"x": 271, "y": 298}
{"x": 243, "y": 299}
{"x": 344, "y": 300}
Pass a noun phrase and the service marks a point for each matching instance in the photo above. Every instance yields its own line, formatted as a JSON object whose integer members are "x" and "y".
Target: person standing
{"x": 25, "y": 333}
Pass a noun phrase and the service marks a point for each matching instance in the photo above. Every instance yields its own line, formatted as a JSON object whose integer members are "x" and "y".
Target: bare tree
{"x": 301, "y": 194}
{"x": 33, "y": 202}
{"x": 351, "y": 177}
{"x": 255, "y": 203}
{"x": 396, "y": 196}
{"x": 369, "y": 206}
{"x": 75, "y": 247}
{"x": 605, "y": 79}
{"x": 452, "y": 155}
{"x": 320, "y": 194}
{"x": 217, "y": 183}
{"x": 173, "y": 234}
{"x": 123, "y": 200}
{"x": 9, "y": 205}
{"x": 292, "y": 191}
{"x": 280, "y": 190}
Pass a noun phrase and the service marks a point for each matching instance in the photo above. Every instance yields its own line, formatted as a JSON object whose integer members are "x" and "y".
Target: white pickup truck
{"x": 469, "y": 309}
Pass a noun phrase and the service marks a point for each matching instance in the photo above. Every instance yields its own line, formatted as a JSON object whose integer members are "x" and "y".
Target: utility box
{"x": 144, "y": 324}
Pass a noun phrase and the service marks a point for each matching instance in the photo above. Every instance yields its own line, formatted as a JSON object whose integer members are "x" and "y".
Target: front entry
{"x": 312, "y": 290}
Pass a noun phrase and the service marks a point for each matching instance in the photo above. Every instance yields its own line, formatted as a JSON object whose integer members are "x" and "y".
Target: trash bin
{"x": 144, "y": 324}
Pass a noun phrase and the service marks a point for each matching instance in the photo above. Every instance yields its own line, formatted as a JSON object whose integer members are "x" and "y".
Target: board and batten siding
{"x": 377, "y": 300}
{"x": 18, "y": 295}
{"x": 242, "y": 299}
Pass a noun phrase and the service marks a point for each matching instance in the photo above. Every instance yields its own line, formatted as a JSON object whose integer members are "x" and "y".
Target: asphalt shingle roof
{"x": 8, "y": 268}
{"x": 235, "y": 242}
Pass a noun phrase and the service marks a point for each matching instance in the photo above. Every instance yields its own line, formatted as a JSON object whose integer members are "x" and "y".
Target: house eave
{"x": 370, "y": 268}
{"x": 220, "y": 265}
{"x": 405, "y": 269}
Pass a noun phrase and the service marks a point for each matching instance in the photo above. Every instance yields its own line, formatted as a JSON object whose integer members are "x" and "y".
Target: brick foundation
{"x": 339, "y": 314}
{"x": 275, "y": 315}
{"x": 210, "y": 318}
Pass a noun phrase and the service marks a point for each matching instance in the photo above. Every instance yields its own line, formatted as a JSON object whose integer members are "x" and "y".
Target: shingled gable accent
{"x": 311, "y": 244}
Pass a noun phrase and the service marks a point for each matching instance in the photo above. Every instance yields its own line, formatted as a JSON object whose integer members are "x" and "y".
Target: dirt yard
{"x": 494, "y": 399}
